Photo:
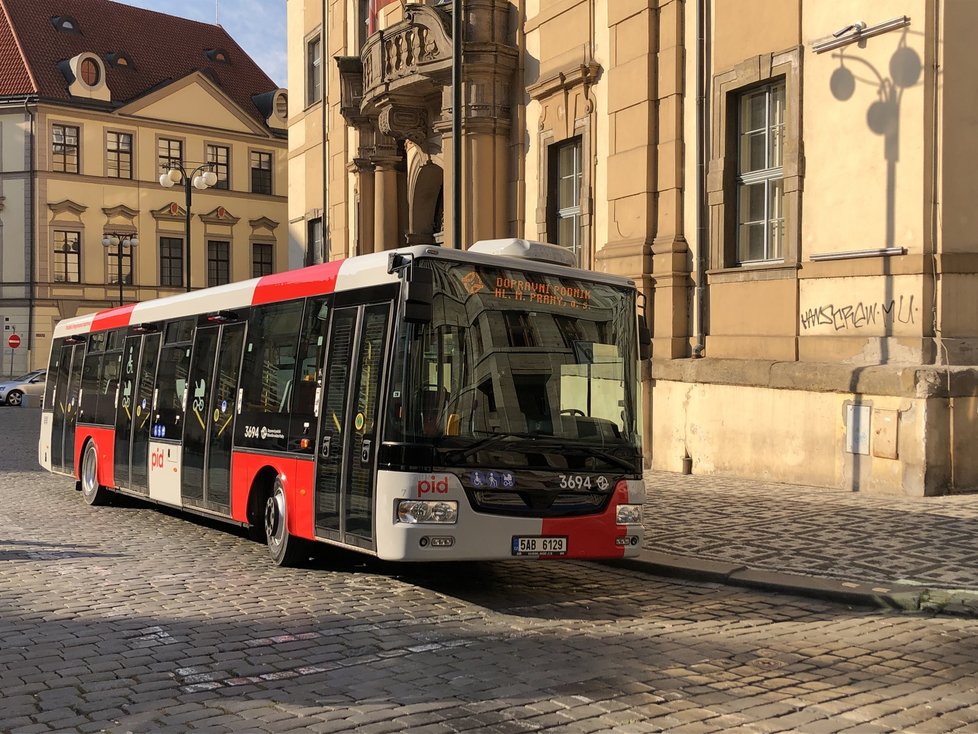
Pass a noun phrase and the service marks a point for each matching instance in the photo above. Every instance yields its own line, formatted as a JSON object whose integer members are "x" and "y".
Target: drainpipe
{"x": 325, "y": 254}
{"x": 31, "y": 229}
{"x": 702, "y": 51}
{"x": 457, "y": 124}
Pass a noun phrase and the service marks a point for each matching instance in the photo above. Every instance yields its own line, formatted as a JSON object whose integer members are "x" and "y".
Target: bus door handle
{"x": 324, "y": 448}
{"x": 365, "y": 451}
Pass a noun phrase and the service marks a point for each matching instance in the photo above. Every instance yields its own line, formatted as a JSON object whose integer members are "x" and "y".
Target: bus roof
{"x": 336, "y": 275}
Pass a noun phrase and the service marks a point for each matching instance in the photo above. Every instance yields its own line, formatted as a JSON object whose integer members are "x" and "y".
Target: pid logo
{"x": 156, "y": 459}
{"x": 433, "y": 485}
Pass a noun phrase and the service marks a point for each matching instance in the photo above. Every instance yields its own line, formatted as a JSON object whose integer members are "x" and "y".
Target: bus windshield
{"x": 512, "y": 357}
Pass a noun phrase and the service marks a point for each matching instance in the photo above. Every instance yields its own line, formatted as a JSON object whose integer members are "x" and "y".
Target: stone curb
{"x": 908, "y": 598}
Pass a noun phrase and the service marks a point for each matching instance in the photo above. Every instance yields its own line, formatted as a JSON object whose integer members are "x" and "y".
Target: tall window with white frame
{"x": 760, "y": 176}
{"x": 314, "y": 70}
{"x": 67, "y": 256}
{"x": 118, "y": 155}
{"x": 64, "y": 148}
{"x": 218, "y": 262}
{"x": 564, "y": 196}
{"x": 171, "y": 262}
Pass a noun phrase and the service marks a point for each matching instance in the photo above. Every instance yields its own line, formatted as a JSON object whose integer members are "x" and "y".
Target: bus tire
{"x": 92, "y": 492}
{"x": 285, "y": 549}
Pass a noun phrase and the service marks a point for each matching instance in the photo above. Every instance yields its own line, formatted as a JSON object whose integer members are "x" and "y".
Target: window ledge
{"x": 766, "y": 271}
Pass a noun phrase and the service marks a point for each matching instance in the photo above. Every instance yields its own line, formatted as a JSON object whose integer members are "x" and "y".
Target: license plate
{"x": 539, "y": 545}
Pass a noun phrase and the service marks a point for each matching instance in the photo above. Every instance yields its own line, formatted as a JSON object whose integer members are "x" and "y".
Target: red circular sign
{"x": 13, "y": 341}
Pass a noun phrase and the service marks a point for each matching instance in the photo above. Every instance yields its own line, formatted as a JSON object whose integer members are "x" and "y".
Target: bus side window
{"x": 308, "y": 378}
{"x": 267, "y": 374}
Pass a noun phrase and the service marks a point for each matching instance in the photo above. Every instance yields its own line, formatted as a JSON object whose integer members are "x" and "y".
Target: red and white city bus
{"x": 419, "y": 404}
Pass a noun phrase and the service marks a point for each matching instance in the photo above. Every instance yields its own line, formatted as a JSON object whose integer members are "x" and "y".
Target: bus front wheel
{"x": 93, "y": 492}
{"x": 285, "y": 549}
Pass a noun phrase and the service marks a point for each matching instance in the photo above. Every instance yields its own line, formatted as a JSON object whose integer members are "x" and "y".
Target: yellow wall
{"x": 93, "y": 193}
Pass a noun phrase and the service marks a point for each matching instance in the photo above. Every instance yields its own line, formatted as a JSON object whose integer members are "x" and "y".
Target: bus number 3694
{"x": 574, "y": 481}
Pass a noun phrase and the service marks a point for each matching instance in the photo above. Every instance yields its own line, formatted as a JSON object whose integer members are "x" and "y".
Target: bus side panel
{"x": 303, "y": 516}
{"x": 297, "y": 477}
{"x": 164, "y": 472}
{"x": 44, "y": 442}
{"x": 104, "y": 439}
{"x": 598, "y": 536}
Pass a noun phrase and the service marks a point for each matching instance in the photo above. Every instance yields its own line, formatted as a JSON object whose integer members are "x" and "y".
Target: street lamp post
{"x": 120, "y": 241}
{"x": 201, "y": 177}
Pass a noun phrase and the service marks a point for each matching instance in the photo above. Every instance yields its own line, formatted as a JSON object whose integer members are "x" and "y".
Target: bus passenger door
{"x": 221, "y": 416}
{"x": 213, "y": 386}
{"x": 125, "y": 408}
{"x": 196, "y": 411}
{"x": 59, "y": 406}
{"x": 66, "y": 406}
{"x": 142, "y": 412}
{"x": 346, "y": 471}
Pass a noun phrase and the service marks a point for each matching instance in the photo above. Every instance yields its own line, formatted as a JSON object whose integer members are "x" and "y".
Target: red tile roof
{"x": 162, "y": 49}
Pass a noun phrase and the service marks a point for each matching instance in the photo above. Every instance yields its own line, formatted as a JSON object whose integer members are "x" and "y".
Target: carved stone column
{"x": 386, "y": 216}
{"x": 405, "y": 78}
{"x": 364, "y": 171}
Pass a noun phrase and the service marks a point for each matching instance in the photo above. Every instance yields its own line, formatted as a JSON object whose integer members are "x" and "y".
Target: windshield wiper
{"x": 548, "y": 440}
{"x": 612, "y": 459}
{"x": 493, "y": 438}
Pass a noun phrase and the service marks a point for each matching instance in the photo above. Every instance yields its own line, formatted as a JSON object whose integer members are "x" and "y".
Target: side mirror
{"x": 644, "y": 340}
{"x": 419, "y": 293}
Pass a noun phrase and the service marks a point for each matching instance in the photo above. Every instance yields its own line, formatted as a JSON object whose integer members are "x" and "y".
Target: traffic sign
{"x": 13, "y": 341}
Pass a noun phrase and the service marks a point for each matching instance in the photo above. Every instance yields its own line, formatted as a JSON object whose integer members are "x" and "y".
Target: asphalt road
{"x": 130, "y": 618}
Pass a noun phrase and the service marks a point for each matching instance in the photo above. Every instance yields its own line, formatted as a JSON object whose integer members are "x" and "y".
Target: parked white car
{"x": 12, "y": 391}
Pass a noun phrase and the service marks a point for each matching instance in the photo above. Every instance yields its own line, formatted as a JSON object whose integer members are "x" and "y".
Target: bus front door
{"x": 346, "y": 464}
{"x": 213, "y": 386}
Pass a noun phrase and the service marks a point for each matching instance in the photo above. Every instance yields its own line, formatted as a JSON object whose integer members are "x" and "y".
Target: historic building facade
{"x": 97, "y": 99}
{"x": 787, "y": 183}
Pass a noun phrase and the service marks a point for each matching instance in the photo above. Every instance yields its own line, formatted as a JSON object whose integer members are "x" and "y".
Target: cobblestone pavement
{"x": 129, "y": 618}
{"x": 815, "y": 531}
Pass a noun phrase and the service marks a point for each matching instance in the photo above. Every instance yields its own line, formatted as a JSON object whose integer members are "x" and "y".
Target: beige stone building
{"x": 787, "y": 181}
{"x": 97, "y": 99}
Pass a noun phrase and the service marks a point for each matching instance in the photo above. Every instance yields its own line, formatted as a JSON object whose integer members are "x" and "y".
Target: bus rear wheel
{"x": 92, "y": 492}
{"x": 285, "y": 549}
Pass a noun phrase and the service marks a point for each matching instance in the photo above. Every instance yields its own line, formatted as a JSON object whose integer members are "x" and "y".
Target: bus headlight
{"x": 629, "y": 515}
{"x": 413, "y": 512}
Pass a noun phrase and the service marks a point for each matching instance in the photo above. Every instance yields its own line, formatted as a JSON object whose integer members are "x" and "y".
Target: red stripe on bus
{"x": 297, "y": 477}
{"x": 592, "y": 536}
{"x": 311, "y": 281}
{"x": 104, "y": 439}
{"x": 112, "y": 318}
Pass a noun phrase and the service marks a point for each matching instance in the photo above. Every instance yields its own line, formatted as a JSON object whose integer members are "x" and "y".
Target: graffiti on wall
{"x": 899, "y": 310}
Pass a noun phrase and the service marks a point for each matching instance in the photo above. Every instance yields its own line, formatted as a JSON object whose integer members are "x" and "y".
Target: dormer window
{"x": 85, "y": 74}
{"x": 217, "y": 54}
{"x": 91, "y": 73}
{"x": 119, "y": 58}
{"x": 65, "y": 24}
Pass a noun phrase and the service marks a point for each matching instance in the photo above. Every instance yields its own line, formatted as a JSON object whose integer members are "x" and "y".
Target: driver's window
{"x": 442, "y": 375}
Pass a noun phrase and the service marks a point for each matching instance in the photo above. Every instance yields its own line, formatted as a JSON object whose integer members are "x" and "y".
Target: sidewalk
{"x": 907, "y": 553}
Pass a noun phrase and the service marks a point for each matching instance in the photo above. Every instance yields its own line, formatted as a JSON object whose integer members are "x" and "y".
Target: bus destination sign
{"x": 547, "y": 294}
